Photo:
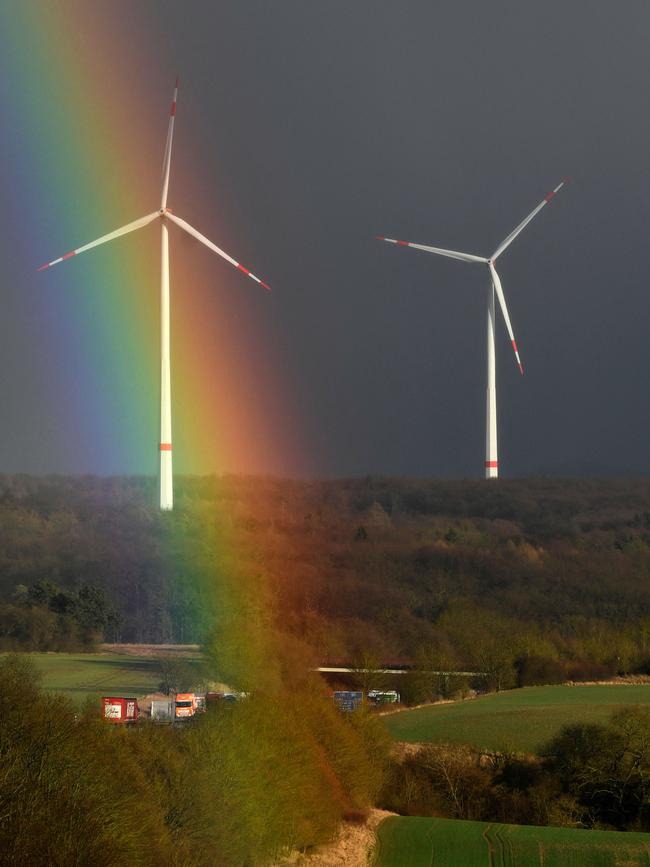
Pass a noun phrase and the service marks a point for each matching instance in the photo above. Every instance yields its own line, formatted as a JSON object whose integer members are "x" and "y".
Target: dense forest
{"x": 530, "y": 580}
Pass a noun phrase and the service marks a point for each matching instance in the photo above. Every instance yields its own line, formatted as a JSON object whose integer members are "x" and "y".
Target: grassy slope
{"x": 83, "y": 675}
{"x": 521, "y": 719}
{"x": 418, "y": 842}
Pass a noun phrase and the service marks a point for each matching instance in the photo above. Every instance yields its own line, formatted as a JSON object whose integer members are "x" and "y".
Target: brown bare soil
{"x": 187, "y": 650}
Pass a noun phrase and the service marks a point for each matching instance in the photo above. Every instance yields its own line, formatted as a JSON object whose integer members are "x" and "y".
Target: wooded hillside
{"x": 532, "y": 579}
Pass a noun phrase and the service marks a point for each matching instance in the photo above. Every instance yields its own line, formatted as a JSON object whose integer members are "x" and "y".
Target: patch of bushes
{"x": 240, "y": 786}
{"x": 589, "y": 776}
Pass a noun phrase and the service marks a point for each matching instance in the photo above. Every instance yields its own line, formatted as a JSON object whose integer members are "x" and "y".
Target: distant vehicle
{"x": 348, "y": 700}
{"x": 120, "y": 710}
{"x": 386, "y": 696}
{"x": 184, "y": 705}
{"x": 162, "y": 710}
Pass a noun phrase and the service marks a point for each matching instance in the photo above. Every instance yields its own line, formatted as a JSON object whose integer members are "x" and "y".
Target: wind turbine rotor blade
{"x": 168, "y": 149}
{"x": 504, "y": 309}
{"x": 453, "y": 254}
{"x": 511, "y": 237}
{"x": 199, "y": 237}
{"x": 124, "y": 230}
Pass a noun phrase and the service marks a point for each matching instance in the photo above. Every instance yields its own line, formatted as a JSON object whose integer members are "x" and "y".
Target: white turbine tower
{"x": 491, "y": 454}
{"x": 163, "y": 214}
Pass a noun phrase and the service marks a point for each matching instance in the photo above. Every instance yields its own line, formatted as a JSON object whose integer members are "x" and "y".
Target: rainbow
{"x": 86, "y": 148}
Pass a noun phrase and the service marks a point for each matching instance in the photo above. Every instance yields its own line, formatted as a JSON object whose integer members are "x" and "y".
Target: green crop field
{"x": 83, "y": 675}
{"x": 419, "y": 842}
{"x": 520, "y": 719}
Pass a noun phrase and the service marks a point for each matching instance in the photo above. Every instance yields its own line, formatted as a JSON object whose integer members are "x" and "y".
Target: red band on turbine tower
{"x": 491, "y": 464}
{"x": 165, "y": 447}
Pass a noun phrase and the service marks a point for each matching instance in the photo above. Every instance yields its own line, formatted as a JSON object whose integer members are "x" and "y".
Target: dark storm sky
{"x": 443, "y": 123}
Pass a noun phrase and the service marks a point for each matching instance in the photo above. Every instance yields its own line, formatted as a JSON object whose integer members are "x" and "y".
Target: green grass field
{"x": 418, "y": 842}
{"x": 521, "y": 719}
{"x": 83, "y": 675}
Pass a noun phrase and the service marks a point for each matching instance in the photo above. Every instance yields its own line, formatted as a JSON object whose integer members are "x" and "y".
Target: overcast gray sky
{"x": 443, "y": 123}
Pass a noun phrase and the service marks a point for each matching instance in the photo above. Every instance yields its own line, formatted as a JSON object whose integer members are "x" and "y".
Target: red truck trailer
{"x": 120, "y": 710}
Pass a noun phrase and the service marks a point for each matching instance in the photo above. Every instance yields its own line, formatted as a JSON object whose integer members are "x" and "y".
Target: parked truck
{"x": 348, "y": 700}
{"x": 162, "y": 710}
{"x": 185, "y": 705}
{"x": 120, "y": 710}
{"x": 383, "y": 696}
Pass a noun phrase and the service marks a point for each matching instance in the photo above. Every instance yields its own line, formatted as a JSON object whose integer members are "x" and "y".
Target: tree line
{"x": 45, "y": 617}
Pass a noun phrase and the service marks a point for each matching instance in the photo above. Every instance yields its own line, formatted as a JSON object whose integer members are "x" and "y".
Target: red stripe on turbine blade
{"x": 566, "y": 180}
{"x": 177, "y": 80}
{"x": 69, "y": 255}
{"x": 172, "y": 110}
{"x": 549, "y": 196}
{"x": 243, "y": 270}
{"x": 379, "y": 238}
{"x": 514, "y": 345}
{"x": 43, "y": 267}
{"x": 521, "y": 368}
{"x": 266, "y": 285}
{"x": 402, "y": 243}
{"x": 492, "y": 464}
{"x": 165, "y": 447}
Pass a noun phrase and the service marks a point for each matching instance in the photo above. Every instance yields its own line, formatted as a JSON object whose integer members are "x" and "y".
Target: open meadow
{"x": 418, "y": 842}
{"x": 519, "y": 719}
{"x": 80, "y": 676}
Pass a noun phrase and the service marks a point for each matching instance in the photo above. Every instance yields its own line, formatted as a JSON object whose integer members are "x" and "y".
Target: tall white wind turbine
{"x": 164, "y": 215}
{"x": 491, "y": 454}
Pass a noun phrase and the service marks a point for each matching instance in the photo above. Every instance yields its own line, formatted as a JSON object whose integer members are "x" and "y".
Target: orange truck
{"x": 185, "y": 705}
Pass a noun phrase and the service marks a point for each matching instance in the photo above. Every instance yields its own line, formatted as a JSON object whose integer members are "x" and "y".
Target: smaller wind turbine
{"x": 164, "y": 215}
{"x": 491, "y": 454}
